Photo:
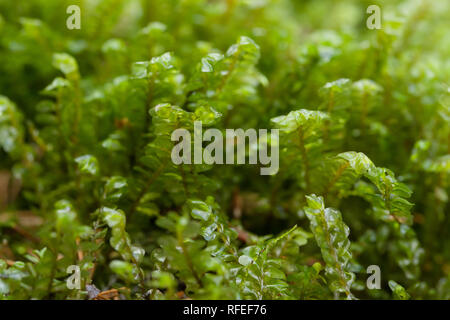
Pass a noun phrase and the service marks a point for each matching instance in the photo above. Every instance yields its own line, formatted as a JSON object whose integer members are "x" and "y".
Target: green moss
{"x": 86, "y": 176}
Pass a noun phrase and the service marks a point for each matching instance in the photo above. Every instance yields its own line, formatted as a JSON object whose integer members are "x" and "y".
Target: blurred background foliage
{"x": 86, "y": 177}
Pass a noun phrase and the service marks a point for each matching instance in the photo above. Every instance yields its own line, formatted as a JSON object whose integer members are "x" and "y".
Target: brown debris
{"x": 9, "y": 188}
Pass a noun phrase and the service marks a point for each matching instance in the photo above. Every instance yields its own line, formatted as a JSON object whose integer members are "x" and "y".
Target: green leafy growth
{"x": 129, "y": 268}
{"x": 391, "y": 203}
{"x": 301, "y": 134}
{"x": 331, "y": 234}
{"x": 398, "y": 291}
{"x": 261, "y": 275}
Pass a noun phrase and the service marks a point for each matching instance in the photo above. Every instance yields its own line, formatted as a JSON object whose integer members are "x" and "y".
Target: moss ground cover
{"x": 87, "y": 182}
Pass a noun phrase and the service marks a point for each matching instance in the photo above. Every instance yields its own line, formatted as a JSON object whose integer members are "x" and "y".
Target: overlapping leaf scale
{"x": 331, "y": 235}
